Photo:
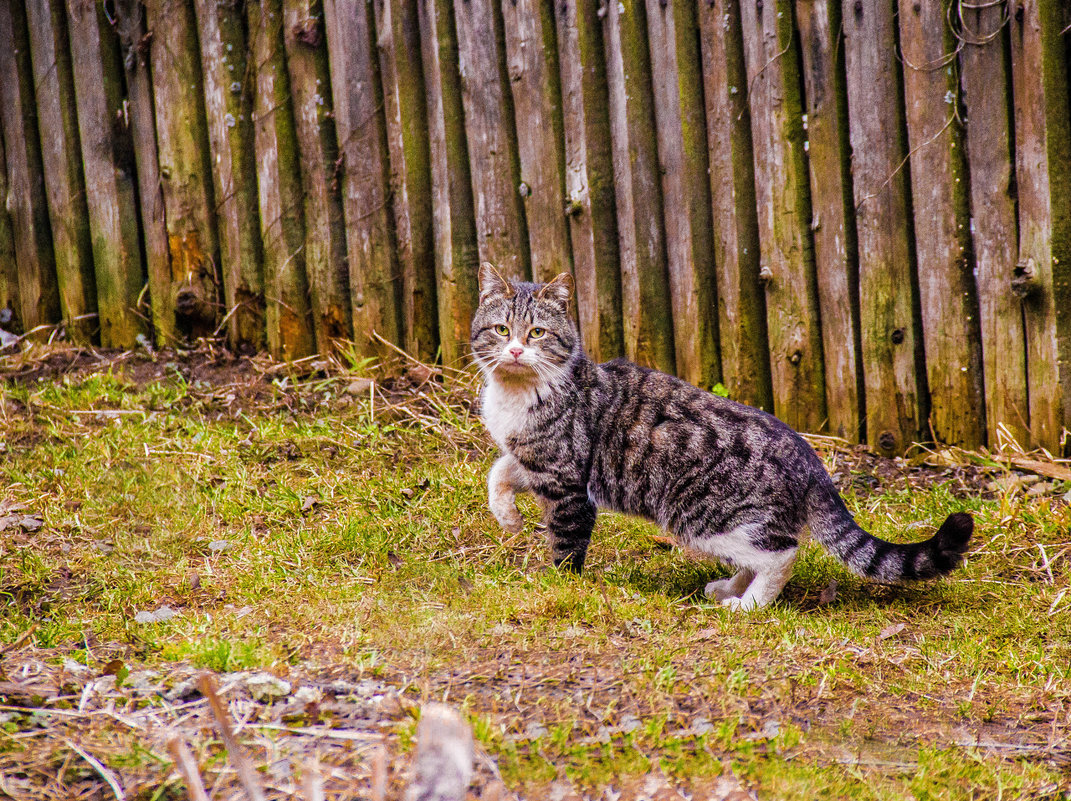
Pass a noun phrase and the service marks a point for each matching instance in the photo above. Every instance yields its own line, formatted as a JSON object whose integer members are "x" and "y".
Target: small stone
{"x": 165, "y": 612}
{"x": 1038, "y": 489}
{"x": 218, "y": 545}
{"x": 265, "y": 687}
{"x": 360, "y": 387}
{"x": 183, "y": 690}
{"x": 308, "y": 695}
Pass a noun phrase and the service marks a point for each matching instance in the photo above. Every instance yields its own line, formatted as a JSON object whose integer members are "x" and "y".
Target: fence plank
{"x": 647, "y": 318}
{"x": 229, "y": 112}
{"x": 454, "y": 221}
{"x": 1043, "y": 151}
{"x": 532, "y": 67}
{"x": 374, "y": 276}
{"x": 987, "y": 88}
{"x": 836, "y": 262}
{"x": 493, "y": 161}
{"x": 589, "y": 186}
{"x": 682, "y": 154}
{"x": 108, "y": 161}
{"x": 782, "y": 197}
{"x": 325, "y": 232}
{"x": 25, "y": 197}
{"x": 9, "y": 271}
{"x": 745, "y": 356}
{"x": 886, "y": 293}
{"x": 407, "y": 137}
{"x": 951, "y": 336}
{"x": 64, "y": 183}
{"x": 282, "y": 225}
{"x": 186, "y": 297}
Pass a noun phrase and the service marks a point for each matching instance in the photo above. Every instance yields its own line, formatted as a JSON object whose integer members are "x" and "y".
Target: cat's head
{"x": 523, "y": 332}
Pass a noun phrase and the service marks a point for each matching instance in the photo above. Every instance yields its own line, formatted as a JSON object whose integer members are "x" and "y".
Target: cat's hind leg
{"x": 732, "y": 587}
{"x": 504, "y": 481}
{"x": 771, "y": 573}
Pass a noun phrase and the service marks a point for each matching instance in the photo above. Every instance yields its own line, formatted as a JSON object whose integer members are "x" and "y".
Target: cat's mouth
{"x": 514, "y": 369}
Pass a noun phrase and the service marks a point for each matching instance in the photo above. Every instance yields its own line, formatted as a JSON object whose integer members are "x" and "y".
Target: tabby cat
{"x": 727, "y": 480}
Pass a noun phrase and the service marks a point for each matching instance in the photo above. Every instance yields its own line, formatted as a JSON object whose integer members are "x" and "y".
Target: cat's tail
{"x": 890, "y": 563}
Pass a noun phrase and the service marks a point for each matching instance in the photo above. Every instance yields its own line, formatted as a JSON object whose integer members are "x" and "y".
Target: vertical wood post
{"x": 832, "y": 222}
{"x": 986, "y": 83}
{"x": 61, "y": 158}
{"x": 325, "y": 230}
{"x": 375, "y": 285}
{"x": 229, "y": 112}
{"x": 493, "y": 160}
{"x": 589, "y": 185}
{"x": 532, "y": 68}
{"x": 677, "y": 82}
{"x": 186, "y": 300}
{"x": 9, "y": 271}
{"x": 1043, "y": 152}
{"x": 282, "y": 224}
{"x": 108, "y": 160}
{"x": 939, "y": 191}
{"x": 398, "y": 30}
{"x": 745, "y": 356}
{"x": 453, "y": 216}
{"x": 783, "y": 198}
{"x": 646, "y": 310}
{"x": 25, "y": 196}
{"x": 134, "y": 45}
{"x": 886, "y": 292}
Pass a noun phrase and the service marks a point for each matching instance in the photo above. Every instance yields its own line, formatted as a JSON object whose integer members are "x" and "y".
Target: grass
{"x": 313, "y": 531}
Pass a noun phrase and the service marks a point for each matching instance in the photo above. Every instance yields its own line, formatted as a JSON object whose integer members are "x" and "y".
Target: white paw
{"x": 739, "y": 604}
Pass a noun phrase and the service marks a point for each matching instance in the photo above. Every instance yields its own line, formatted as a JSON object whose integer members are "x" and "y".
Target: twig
{"x": 313, "y": 781}
{"x": 379, "y": 774}
{"x": 206, "y": 683}
{"x": 186, "y": 765}
{"x": 105, "y": 774}
{"x": 19, "y": 640}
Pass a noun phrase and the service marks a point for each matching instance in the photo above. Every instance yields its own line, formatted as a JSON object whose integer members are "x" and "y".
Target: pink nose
{"x": 516, "y": 352}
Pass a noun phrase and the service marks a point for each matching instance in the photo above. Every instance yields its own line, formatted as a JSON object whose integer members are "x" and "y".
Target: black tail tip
{"x": 953, "y": 536}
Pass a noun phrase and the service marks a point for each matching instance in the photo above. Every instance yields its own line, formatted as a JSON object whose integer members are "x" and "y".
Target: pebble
{"x": 360, "y": 387}
{"x": 265, "y": 687}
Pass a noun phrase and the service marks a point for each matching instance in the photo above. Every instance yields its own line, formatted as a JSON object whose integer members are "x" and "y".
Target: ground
{"x": 323, "y": 546}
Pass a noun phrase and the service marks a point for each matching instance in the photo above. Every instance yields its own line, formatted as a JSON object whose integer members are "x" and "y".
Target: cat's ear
{"x": 492, "y": 283}
{"x": 559, "y": 290}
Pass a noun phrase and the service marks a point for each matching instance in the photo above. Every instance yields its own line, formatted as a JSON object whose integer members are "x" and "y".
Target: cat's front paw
{"x": 720, "y": 591}
{"x": 505, "y": 512}
{"x": 739, "y": 604}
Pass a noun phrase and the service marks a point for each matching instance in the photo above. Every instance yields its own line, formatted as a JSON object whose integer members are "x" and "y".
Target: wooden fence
{"x": 856, "y": 215}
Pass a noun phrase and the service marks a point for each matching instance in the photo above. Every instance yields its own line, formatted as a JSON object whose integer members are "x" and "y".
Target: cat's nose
{"x": 516, "y": 352}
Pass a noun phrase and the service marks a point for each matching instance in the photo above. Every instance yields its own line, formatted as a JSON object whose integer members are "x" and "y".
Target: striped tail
{"x": 832, "y": 525}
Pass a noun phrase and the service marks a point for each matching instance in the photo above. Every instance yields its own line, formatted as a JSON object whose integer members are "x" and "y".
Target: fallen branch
{"x": 105, "y": 774}
{"x": 246, "y": 773}
{"x": 186, "y": 765}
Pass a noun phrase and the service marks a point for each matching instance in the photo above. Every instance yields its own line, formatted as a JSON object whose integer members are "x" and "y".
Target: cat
{"x": 728, "y": 480}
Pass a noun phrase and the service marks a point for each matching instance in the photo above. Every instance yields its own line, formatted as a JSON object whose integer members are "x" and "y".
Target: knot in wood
{"x": 765, "y": 273}
{"x": 897, "y": 336}
{"x": 886, "y": 440}
{"x": 524, "y": 189}
{"x": 1024, "y": 281}
{"x": 796, "y": 357}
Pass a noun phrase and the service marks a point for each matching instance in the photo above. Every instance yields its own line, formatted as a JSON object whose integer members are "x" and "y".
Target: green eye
{"x": 536, "y": 333}
{"x": 502, "y": 330}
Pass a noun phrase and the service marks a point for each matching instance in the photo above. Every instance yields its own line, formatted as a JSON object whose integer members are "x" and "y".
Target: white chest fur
{"x": 505, "y": 410}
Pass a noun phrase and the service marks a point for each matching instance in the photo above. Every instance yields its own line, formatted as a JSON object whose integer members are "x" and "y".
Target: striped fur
{"x": 726, "y": 479}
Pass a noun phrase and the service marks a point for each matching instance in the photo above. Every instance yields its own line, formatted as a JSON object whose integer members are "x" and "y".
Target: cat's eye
{"x": 536, "y": 333}
{"x": 502, "y": 330}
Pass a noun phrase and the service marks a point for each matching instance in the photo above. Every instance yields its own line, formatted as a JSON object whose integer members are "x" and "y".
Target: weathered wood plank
{"x": 745, "y": 355}
{"x": 783, "y": 202}
{"x": 589, "y": 186}
{"x": 407, "y": 137}
{"x": 229, "y": 112}
{"x": 9, "y": 271}
{"x": 532, "y": 66}
{"x": 833, "y": 222}
{"x": 60, "y": 157}
{"x": 986, "y": 84}
{"x": 1043, "y": 151}
{"x": 25, "y": 192}
{"x": 133, "y": 38}
{"x": 889, "y": 335}
{"x": 186, "y": 300}
{"x": 682, "y": 154}
{"x": 939, "y": 192}
{"x": 325, "y": 232}
{"x": 492, "y": 143}
{"x": 453, "y": 217}
{"x": 375, "y": 285}
{"x": 108, "y": 161}
{"x": 282, "y": 226}
{"x": 647, "y": 317}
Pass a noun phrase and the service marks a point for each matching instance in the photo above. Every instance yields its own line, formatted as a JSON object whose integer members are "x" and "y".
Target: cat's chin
{"x": 514, "y": 374}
